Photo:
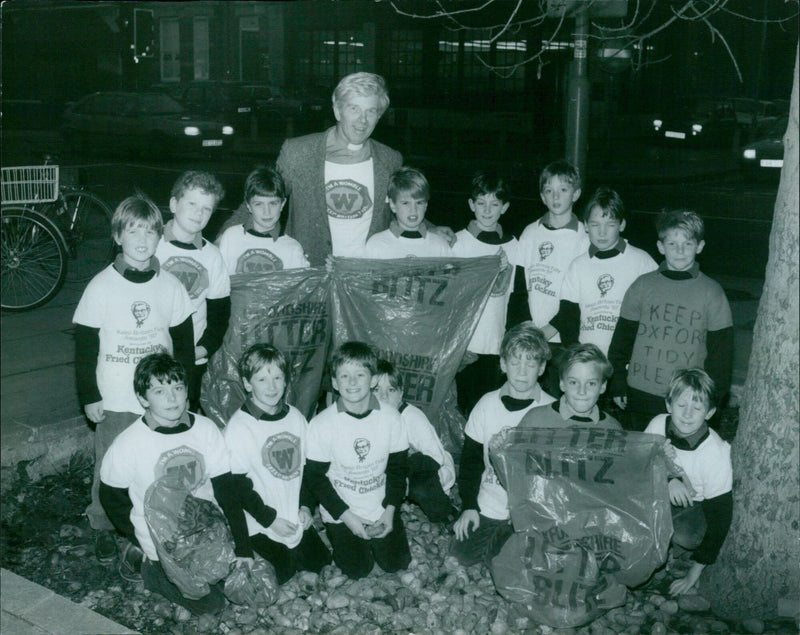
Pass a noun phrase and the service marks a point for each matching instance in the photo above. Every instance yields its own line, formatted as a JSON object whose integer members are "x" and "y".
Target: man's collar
{"x": 619, "y": 248}
{"x": 275, "y": 233}
{"x": 690, "y": 273}
{"x": 396, "y": 230}
{"x": 169, "y": 236}
{"x": 572, "y": 224}
{"x": 567, "y": 412}
{"x": 338, "y": 150}
{"x": 374, "y": 404}
{"x": 257, "y": 413}
{"x": 136, "y": 275}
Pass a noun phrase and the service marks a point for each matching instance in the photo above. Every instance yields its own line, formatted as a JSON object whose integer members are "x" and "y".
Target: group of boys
{"x": 597, "y": 304}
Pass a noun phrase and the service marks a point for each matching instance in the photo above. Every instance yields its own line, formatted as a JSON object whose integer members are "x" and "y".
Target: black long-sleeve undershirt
{"x": 567, "y": 321}
{"x": 718, "y": 512}
{"x": 469, "y": 473}
{"x": 218, "y": 314}
{"x": 116, "y": 502}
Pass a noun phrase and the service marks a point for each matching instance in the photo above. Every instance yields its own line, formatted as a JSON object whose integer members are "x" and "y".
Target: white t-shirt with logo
{"x": 598, "y": 286}
{"x": 546, "y": 254}
{"x": 272, "y": 455}
{"x": 349, "y": 199}
{"x": 134, "y": 321}
{"x": 358, "y": 451}
{"x": 245, "y": 253}
{"x": 490, "y": 330}
{"x": 488, "y": 417}
{"x": 139, "y": 456}
{"x": 202, "y": 273}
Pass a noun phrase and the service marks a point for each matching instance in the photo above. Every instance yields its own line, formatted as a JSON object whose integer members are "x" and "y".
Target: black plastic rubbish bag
{"x": 591, "y": 515}
{"x": 288, "y": 309}
{"x": 419, "y": 314}
{"x": 255, "y": 585}
{"x": 191, "y": 536}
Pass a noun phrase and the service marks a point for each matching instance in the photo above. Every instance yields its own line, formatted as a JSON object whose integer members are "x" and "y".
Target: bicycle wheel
{"x": 33, "y": 259}
{"x": 85, "y": 221}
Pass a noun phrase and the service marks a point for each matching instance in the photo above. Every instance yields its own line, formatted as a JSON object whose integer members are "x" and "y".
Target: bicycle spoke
{"x": 33, "y": 259}
{"x": 87, "y": 227}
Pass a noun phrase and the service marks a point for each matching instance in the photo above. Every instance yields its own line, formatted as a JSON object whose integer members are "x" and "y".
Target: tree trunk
{"x": 760, "y": 561}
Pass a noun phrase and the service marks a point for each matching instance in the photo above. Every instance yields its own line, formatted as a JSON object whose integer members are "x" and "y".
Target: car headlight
{"x": 191, "y": 131}
{"x": 749, "y": 153}
{"x": 227, "y": 130}
{"x": 697, "y": 128}
{"x": 657, "y": 123}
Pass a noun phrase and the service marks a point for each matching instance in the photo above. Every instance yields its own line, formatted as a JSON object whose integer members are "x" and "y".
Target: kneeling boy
{"x": 485, "y": 524}
{"x": 165, "y": 436}
{"x": 357, "y": 465}
{"x": 431, "y": 472}
{"x": 702, "y": 501}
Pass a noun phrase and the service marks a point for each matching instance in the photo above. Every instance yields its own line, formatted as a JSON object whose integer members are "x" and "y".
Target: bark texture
{"x": 760, "y": 561}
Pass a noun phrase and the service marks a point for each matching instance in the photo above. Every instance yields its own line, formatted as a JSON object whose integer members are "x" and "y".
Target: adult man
{"x": 337, "y": 179}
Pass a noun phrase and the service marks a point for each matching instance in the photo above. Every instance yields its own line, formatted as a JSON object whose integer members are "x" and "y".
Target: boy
{"x": 408, "y": 234}
{"x": 266, "y": 439}
{"x": 129, "y": 309}
{"x": 431, "y": 472}
{"x": 583, "y": 374}
{"x": 596, "y": 281}
{"x": 550, "y": 244}
{"x": 167, "y": 438}
{"x": 259, "y": 245}
{"x": 198, "y": 264}
{"x": 708, "y": 474}
{"x": 357, "y": 465}
{"x": 484, "y": 524}
{"x": 489, "y": 200}
{"x": 675, "y": 317}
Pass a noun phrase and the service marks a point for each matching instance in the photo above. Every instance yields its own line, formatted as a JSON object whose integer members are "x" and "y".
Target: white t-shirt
{"x": 708, "y": 466}
{"x": 488, "y": 417}
{"x": 134, "y": 321}
{"x": 202, "y": 273}
{"x": 598, "y": 285}
{"x": 140, "y": 456}
{"x": 272, "y": 454}
{"x": 385, "y": 246}
{"x": 490, "y": 330}
{"x": 245, "y": 253}
{"x": 350, "y": 199}
{"x": 422, "y": 438}
{"x": 358, "y": 451}
{"x": 546, "y": 255}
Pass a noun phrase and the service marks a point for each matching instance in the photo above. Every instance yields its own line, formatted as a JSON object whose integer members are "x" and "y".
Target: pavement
{"x": 41, "y": 424}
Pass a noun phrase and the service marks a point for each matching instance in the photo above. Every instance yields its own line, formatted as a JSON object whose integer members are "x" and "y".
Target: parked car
{"x": 213, "y": 99}
{"x": 275, "y": 107}
{"x": 753, "y": 112}
{"x": 766, "y": 155}
{"x": 148, "y": 122}
{"x": 708, "y": 124}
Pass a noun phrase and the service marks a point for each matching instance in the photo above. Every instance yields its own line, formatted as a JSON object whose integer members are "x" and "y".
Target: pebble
{"x": 753, "y": 626}
{"x": 718, "y": 626}
{"x": 693, "y": 603}
{"x": 182, "y": 614}
{"x": 658, "y": 628}
{"x": 337, "y": 601}
{"x": 670, "y": 607}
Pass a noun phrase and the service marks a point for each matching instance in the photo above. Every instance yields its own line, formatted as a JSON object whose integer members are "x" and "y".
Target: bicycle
{"x": 51, "y": 234}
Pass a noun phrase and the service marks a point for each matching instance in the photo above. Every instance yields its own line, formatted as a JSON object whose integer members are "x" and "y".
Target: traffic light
{"x": 144, "y": 34}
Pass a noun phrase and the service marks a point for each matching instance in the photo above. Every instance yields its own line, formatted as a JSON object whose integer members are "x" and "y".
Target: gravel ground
{"x": 46, "y": 538}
